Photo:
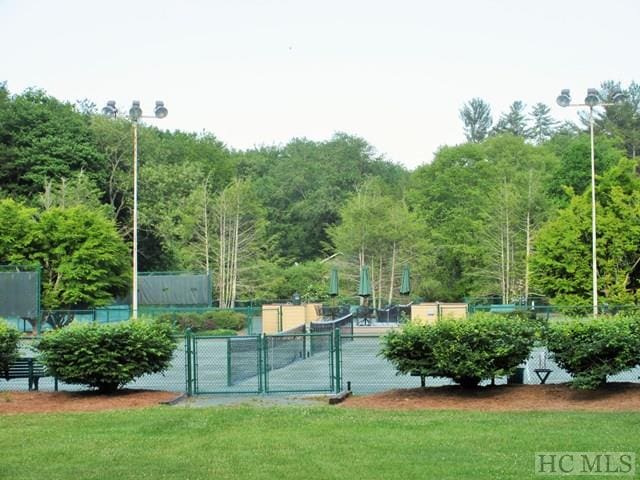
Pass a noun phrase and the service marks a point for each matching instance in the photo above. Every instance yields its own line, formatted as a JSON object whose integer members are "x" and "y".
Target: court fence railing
{"x": 51, "y": 319}
{"x": 296, "y": 361}
{"x": 555, "y": 312}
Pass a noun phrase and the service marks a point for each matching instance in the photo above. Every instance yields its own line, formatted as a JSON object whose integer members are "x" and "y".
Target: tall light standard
{"x": 591, "y": 100}
{"x": 135, "y": 114}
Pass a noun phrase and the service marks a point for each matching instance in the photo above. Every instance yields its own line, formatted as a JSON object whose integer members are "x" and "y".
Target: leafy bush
{"x": 220, "y": 332}
{"x": 226, "y": 319}
{"x": 468, "y": 351}
{"x": 592, "y": 349}
{"x": 107, "y": 357}
{"x": 9, "y": 338}
{"x": 210, "y": 320}
{"x": 183, "y": 320}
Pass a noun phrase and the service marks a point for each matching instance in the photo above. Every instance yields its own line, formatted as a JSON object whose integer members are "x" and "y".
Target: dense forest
{"x": 505, "y": 214}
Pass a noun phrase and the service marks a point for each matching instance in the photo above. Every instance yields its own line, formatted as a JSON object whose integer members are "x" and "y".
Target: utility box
{"x": 292, "y": 316}
{"x": 454, "y": 310}
{"x": 271, "y": 319}
{"x": 313, "y": 311}
{"x": 424, "y": 313}
{"x": 277, "y": 318}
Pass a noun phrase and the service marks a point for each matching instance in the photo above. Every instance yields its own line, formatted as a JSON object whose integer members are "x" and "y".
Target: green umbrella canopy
{"x": 405, "y": 283}
{"x": 333, "y": 282}
{"x": 364, "y": 289}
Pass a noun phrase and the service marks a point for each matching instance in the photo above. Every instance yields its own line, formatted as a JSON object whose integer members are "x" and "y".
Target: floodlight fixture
{"x": 135, "y": 112}
{"x": 618, "y": 97}
{"x": 564, "y": 99}
{"x": 160, "y": 110}
{"x": 592, "y": 99}
{"x": 110, "y": 109}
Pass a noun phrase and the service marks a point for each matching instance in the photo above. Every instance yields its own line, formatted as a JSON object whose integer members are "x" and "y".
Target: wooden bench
{"x": 30, "y": 369}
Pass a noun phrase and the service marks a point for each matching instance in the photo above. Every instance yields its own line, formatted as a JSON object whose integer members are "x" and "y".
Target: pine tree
{"x": 514, "y": 121}
{"x": 543, "y": 125}
{"x": 476, "y": 116}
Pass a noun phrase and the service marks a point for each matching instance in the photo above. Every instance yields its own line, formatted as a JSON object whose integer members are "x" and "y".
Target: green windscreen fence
{"x": 19, "y": 294}
{"x": 285, "y": 348}
{"x": 243, "y": 358}
{"x": 245, "y": 355}
{"x": 174, "y": 289}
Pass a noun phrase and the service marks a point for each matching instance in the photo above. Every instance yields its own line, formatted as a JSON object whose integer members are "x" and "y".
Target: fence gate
{"x": 289, "y": 362}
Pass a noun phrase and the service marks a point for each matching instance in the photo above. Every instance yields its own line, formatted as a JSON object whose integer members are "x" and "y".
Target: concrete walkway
{"x": 271, "y": 400}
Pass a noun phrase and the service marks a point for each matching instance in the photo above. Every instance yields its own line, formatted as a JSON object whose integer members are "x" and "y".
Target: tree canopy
{"x": 507, "y": 213}
{"x": 85, "y": 263}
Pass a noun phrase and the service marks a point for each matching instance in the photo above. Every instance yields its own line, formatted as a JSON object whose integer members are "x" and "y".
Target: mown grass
{"x": 299, "y": 443}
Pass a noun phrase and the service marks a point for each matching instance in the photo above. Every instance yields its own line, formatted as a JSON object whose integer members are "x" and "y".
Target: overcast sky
{"x": 262, "y": 72}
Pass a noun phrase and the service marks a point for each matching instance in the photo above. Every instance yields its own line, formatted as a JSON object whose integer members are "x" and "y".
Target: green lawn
{"x": 299, "y": 443}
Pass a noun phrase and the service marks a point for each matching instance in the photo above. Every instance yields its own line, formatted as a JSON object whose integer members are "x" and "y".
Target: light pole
{"x": 591, "y": 100}
{"x": 135, "y": 114}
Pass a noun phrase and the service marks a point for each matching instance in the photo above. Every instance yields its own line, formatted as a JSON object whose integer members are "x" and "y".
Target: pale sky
{"x": 263, "y": 72}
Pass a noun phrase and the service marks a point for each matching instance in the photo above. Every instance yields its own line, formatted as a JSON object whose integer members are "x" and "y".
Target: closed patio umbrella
{"x": 333, "y": 282}
{"x": 364, "y": 288}
{"x": 405, "y": 283}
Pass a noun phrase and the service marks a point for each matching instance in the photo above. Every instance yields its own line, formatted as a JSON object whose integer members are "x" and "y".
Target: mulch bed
{"x": 48, "y": 402}
{"x": 612, "y": 397}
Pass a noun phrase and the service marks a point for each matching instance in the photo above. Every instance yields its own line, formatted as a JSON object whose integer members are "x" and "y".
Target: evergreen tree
{"x": 514, "y": 121}
{"x": 543, "y": 125}
{"x": 561, "y": 263}
{"x": 621, "y": 120}
{"x": 476, "y": 116}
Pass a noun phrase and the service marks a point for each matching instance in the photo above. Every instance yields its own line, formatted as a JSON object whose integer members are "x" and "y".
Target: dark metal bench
{"x": 30, "y": 369}
{"x": 388, "y": 314}
{"x": 543, "y": 374}
{"x": 363, "y": 314}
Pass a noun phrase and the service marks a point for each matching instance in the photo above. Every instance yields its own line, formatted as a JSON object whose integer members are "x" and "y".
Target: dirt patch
{"x": 612, "y": 397}
{"x": 47, "y": 402}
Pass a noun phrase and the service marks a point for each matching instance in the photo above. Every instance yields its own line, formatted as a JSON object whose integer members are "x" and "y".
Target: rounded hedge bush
{"x": 9, "y": 340}
{"x": 107, "y": 357}
{"x": 207, "y": 321}
{"x": 594, "y": 348}
{"x": 468, "y": 351}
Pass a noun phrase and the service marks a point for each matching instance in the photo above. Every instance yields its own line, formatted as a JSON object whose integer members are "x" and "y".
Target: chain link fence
{"x": 555, "y": 312}
{"x": 289, "y": 363}
{"x": 173, "y": 379}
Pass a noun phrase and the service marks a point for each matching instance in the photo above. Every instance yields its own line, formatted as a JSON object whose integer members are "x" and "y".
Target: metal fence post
{"x": 249, "y": 314}
{"x": 229, "y": 378}
{"x": 332, "y": 355}
{"x": 188, "y": 362}
{"x": 263, "y": 352}
{"x": 338, "y": 360}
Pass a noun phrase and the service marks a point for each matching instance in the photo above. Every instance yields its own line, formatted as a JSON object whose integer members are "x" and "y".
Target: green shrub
{"x": 594, "y": 348}
{"x": 209, "y": 320}
{"x": 226, "y": 319}
{"x": 468, "y": 351}
{"x": 168, "y": 318}
{"x": 9, "y": 339}
{"x": 220, "y": 332}
{"x": 107, "y": 357}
